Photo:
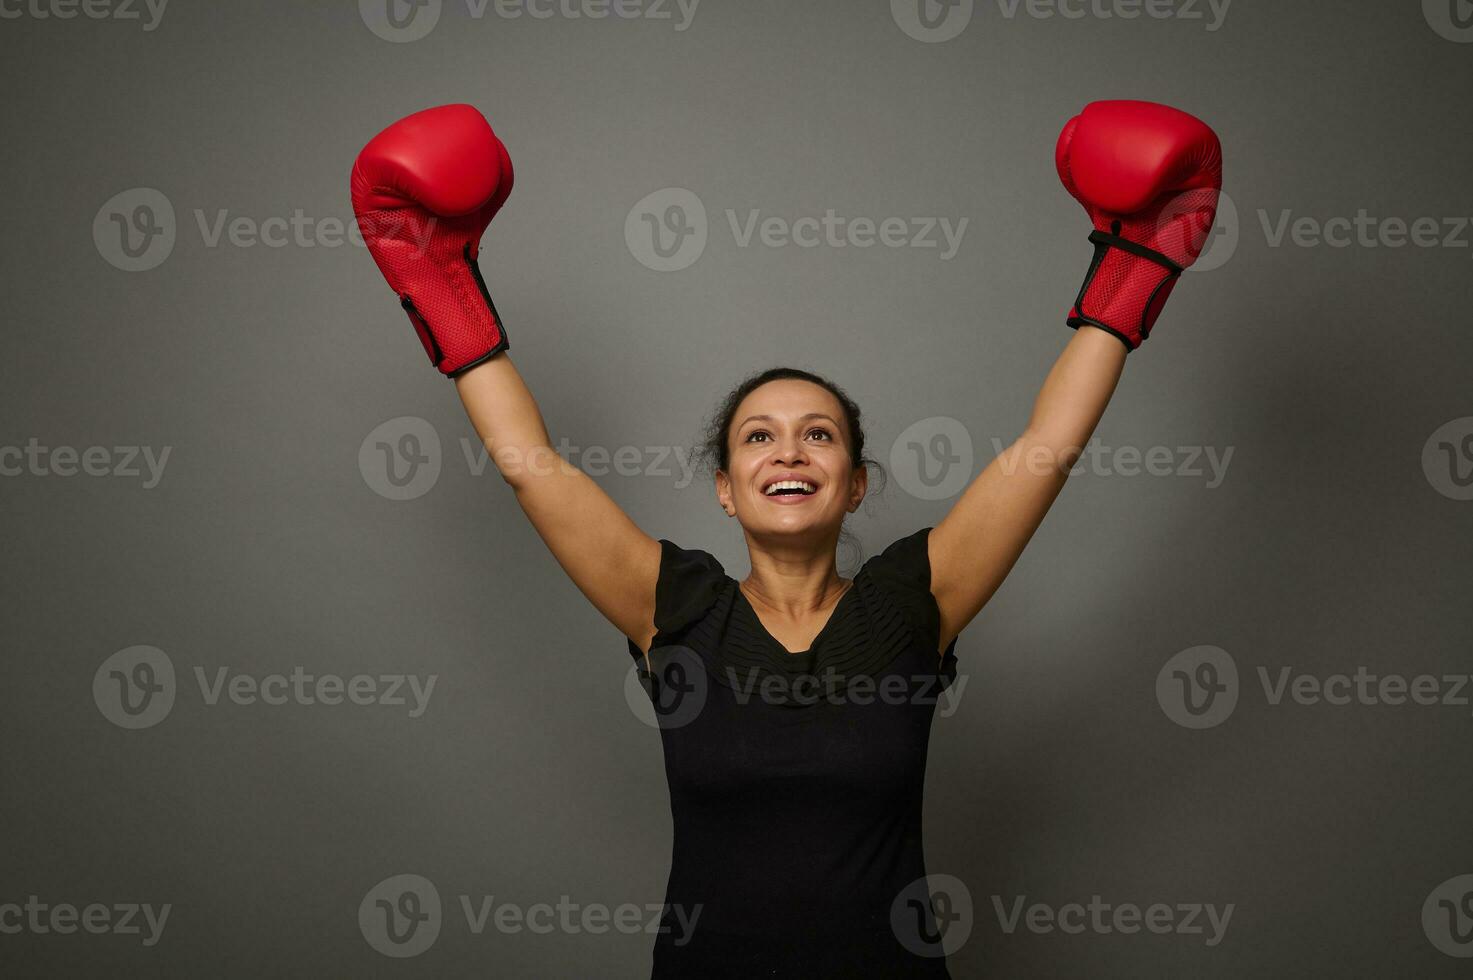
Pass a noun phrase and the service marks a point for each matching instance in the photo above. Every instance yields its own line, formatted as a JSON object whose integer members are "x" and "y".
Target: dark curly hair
{"x": 715, "y": 448}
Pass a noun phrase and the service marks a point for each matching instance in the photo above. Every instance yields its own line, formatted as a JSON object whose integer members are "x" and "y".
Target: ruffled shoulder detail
{"x": 903, "y": 571}
{"x": 690, "y": 582}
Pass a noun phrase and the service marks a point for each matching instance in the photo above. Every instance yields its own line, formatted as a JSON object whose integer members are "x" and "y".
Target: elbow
{"x": 521, "y": 466}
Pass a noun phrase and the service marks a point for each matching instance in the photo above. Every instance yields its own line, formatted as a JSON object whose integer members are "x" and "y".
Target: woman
{"x": 796, "y": 762}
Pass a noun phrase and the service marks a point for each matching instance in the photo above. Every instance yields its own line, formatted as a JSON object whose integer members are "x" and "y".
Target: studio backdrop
{"x": 294, "y": 689}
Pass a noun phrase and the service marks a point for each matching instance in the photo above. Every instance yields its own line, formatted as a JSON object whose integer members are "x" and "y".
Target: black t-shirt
{"x": 796, "y": 779}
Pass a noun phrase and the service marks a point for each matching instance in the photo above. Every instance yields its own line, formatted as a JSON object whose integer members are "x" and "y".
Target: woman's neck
{"x": 795, "y": 593}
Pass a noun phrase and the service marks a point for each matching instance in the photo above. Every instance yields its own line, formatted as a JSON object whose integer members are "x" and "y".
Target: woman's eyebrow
{"x": 803, "y": 418}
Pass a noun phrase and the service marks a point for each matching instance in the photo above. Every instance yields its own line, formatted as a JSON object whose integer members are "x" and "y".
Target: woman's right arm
{"x": 607, "y": 556}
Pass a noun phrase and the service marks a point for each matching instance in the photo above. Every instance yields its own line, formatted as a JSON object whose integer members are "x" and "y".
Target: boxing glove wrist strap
{"x": 1103, "y": 240}
{"x": 1112, "y": 311}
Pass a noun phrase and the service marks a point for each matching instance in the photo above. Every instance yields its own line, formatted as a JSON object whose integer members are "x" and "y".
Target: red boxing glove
{"x": 1148, "y": 175}
{"x": 424, "y": 190}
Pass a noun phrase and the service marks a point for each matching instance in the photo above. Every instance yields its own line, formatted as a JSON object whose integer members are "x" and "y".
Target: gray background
{"x": 1060, "y": 776}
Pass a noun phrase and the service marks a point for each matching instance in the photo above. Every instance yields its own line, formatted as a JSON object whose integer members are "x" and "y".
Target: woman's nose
{"x": 790, "y": 450}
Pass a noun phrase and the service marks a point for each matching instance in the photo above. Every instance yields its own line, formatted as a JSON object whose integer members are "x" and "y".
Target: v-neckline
{"x": 813, "y": 645}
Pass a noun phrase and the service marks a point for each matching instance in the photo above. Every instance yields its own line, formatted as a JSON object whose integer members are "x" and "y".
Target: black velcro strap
{"x": 423, "y": 326}
{"x": 475, "y": 268}
{"x": 1126, "y": 245}
{"x": 503, "y": 343}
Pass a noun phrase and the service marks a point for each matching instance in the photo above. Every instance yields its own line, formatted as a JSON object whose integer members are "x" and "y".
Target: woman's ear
{"x": 859, "y": 486}
{"x": 723, "y": 493}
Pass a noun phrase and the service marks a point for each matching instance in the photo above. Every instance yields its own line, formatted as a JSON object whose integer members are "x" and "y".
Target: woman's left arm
{"x": 978, "y": 542}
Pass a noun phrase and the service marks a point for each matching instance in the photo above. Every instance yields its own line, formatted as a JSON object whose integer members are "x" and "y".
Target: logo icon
{"x": 932, "y": 21}
{"x": 1198, "y": 688}
{"x": 400, "y": 21}
{"x": 134, "y": 688}
{"x": 1451, "y": 19}
{"x": 666, "y": 231}
{"x": 400, "y": 459}
{"x": 400, "y": 916}
{"x": 1447, "y": 916}
{"x": 932, "y": 459}
{"x": 932, "y": 916}
{"x": 135, "y": 229}
{"x": 1219, "y": 242}
{"x": 672, "y": 692}
{"x": 1447, "y": 459}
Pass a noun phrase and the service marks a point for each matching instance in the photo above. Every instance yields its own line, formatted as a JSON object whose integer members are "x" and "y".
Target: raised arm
{"x": 607, "y": 556}
{"x": 978, "y": 542}
{"x": 424, "y": 191}
{"x": 1148, "y": 176}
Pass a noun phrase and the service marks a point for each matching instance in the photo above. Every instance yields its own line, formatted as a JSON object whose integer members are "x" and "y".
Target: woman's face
{"x": 785, "y": 432}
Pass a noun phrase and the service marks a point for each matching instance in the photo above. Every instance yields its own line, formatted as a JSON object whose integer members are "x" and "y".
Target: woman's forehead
{"x": 788, "y": 397}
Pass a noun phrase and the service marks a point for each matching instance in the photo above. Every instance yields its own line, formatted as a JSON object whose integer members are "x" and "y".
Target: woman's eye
{"x": 751, "y": 436}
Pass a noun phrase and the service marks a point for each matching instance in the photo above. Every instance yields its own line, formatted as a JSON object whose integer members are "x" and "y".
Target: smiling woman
{"x": 823, "y": 482}
{"x": 840, "y": 888}
{"x": 775, "y": 494}
{"x": 798, "y": 847}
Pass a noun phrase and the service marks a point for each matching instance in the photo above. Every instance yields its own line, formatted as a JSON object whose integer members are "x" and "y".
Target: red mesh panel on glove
{"x": 429, "y": 260}
{"x": 1124, "y": 292}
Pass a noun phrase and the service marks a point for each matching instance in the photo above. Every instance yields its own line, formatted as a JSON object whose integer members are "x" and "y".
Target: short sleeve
{"x": 689, "y": 583}
{"x": 903, "y": 571}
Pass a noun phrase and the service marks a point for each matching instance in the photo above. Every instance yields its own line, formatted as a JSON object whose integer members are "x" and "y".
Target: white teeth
{"x": 790, "y": 485}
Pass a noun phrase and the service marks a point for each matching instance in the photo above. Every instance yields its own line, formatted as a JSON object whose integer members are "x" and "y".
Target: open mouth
{"x": 790, "y": 488}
